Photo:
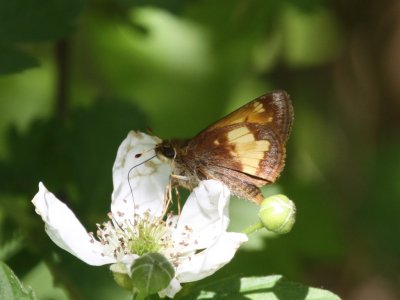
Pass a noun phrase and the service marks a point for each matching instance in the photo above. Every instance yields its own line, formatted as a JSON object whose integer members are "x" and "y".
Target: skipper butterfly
{"x": 245, "y": 150}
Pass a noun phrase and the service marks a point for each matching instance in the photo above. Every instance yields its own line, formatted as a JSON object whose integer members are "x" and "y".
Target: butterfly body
{"x": 245, "y": 150}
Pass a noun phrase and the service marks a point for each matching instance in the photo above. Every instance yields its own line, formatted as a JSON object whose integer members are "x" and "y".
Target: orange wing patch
{"x": 274, "y": 109}
{"x": 246, "y": 149}
{"x": 250, "y": 155}
{"x": 240, "y": 135}
{"x": 253, "y": 112}
{"x": 258, "y": 107}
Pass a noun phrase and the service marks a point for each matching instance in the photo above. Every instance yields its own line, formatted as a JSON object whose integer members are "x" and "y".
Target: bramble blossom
{"x": 195, "y": 242}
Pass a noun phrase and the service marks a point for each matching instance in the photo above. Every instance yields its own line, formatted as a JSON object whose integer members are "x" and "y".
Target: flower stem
{"x": 253, "y": 228}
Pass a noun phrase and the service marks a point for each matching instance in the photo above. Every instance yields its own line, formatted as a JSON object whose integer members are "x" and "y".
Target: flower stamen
{"x": 140, "y": 235}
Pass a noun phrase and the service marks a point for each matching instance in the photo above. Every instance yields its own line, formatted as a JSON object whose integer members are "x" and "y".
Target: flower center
{"x": 145, "y": 234}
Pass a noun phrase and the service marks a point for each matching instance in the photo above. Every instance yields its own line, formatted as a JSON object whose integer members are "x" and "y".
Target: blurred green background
{"x": 77, "y": 75}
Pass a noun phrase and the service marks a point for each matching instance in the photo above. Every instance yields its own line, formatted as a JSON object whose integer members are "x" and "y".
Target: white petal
{"x": 147, "y": 180}
{"x": 205, "y": 213}
{"x": 212, "y": 259}
{"x": 66, "y": 231}
{"x": 171, "y": 290}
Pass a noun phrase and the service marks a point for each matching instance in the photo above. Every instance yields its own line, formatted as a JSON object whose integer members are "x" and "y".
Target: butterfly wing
{"x": 250, "y": 141}
{"x": 274, "y": 109}
{"x": 247, "y": 148}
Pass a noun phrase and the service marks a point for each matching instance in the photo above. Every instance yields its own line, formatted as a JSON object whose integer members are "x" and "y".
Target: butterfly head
{"x": 165, "y": 150}
{"x": 171, "y": 150}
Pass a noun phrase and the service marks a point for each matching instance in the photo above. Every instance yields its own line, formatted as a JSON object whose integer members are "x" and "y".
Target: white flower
{"x": 195, "y": 242}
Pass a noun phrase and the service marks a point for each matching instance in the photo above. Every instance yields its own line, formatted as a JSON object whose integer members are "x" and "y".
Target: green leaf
{"x": 10, "y": 287}
{"x": 13, "y": 60}
{"x": 37, "y": 20}
{"x": 27, "y": 21}
{"x": 273, "y": 287}
{"x": 151, "y": 273}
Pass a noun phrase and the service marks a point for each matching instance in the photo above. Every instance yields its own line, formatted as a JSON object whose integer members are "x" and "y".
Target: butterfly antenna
{"x": 137, "y": 165}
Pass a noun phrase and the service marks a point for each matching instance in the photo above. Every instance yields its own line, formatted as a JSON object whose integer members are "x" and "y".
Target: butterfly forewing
{"x": 273, "y": 108}
{"x": 250, "y": 140}
{"x": 245, "y": 149}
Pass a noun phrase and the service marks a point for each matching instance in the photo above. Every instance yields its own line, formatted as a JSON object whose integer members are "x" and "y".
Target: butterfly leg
{"x": 167, "y": 196}
{"x": 174, "y": 182}
{"x": 178, "y": 199}
{"x": 179, "y": 177}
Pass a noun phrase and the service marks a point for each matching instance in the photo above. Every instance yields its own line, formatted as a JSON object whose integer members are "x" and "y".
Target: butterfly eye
{"x": 168, "y": 151}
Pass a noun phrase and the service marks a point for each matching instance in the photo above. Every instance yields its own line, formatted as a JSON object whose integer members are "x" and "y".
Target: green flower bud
{"x": 151, "y": 273}
{"x": 278, "y": 214}
{"x": 121, "y": 277}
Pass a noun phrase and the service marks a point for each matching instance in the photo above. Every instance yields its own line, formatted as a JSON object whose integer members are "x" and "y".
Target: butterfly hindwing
{"x": 249, "y": 148}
